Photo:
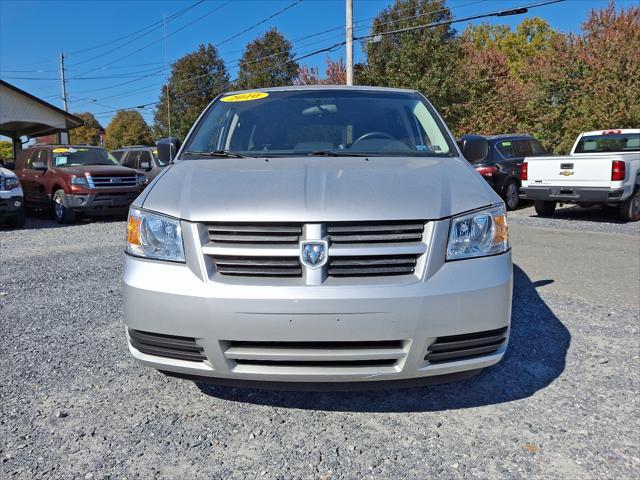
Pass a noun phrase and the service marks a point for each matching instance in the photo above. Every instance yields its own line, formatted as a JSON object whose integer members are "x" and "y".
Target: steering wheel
{"x": 370, "y": 135}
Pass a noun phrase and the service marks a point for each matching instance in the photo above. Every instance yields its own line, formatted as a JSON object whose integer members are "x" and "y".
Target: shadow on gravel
{"x": 535, "y": 358}
{"x": 43, "y": 219}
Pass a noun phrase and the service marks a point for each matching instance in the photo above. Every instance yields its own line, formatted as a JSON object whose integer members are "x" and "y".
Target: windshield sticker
{"x": 245, "y": 97}
{"x": 60, "y": 160}
{"x": 506, "y": 144}
{"x": 60, "y": 150}
{"x": 422, "y": 148}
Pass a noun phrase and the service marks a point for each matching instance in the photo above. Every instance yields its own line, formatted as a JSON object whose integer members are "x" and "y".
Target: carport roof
{"x": 24, "y": 114}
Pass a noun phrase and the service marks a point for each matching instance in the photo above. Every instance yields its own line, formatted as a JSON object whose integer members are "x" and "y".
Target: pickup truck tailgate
{"x": 576, "y": 170}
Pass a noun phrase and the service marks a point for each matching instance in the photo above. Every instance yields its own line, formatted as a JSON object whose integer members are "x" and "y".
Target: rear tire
{"x": 545, "y": 208}
{"x": 63, "y": 214}
{"x": 17, "y": 221}
{"x": 629, "y": 210}
{"x": 511, "y": 195}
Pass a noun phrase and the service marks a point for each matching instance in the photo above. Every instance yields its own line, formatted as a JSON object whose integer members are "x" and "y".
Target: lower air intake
{"x": 462, "y": 347}
{"x": 169, "y": 346}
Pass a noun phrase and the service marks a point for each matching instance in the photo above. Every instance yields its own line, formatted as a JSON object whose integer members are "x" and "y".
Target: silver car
{"x": 318, "y": 234}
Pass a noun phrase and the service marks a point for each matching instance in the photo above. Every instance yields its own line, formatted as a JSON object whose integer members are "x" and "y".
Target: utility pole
{"x": 349, "y": 42}
{"x": 64, "y": 83}
{"x": 164, "y": 28}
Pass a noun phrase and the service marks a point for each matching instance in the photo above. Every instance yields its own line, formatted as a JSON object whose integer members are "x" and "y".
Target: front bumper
{"x": 572, "y": 194}
{"x": 229, "y": 322}
{"x": 8, "y": 206}
{"x": 107, "y": 202}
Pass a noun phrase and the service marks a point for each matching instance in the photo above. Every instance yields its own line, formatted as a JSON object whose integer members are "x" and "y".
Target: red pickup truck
{"x": 76, "y": 178}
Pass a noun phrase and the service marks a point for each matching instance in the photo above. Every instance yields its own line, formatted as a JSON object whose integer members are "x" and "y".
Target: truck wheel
{"x": 630, "y": 208}
{"x": 511, "y": 198}
{"x": 17, "y": 221}
{"x": 62, "y": 213}
{"x": 545, "y": 208}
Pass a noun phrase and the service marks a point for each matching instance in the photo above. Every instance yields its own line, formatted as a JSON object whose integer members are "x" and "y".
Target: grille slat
{"x": 170, "y": 346}
{"x": 259, "y": 266}
{"x": 460, "y": 347}
{"x": 372, "y": 266}
{"x": 315, "y": 354}
{"x": 375, "y": 232}
{"x": 255, "y": 233}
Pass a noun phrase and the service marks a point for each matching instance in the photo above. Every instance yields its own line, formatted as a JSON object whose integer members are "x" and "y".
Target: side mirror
{"x": 145, "y": 166}
{"x": 167, "y": 149}
{"x": 39, "y": 166}
{"x": 474, "y": 147}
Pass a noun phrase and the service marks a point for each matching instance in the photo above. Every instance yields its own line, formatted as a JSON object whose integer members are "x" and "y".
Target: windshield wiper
{"x": 335, "y": 153}
{"x": 219, "y": 153}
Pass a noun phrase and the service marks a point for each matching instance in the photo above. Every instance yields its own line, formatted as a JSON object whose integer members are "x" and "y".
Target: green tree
{"x": 267, "y": 61}
{"x": 196, "y": 79}
{"x": 127, "y": 127}
{"x": 6, "y": 149}
{"x": 88, "y": 133}
{"x": 426, "y": 59}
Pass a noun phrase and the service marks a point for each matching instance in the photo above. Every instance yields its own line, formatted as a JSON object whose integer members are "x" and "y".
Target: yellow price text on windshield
{"x": 244, "y": 97}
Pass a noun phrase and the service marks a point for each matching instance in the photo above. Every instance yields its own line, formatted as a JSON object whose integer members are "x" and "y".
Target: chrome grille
{"x": 356, "y": 249}
{"x": 114, "y": 182}
{"x": 375, "y": 232}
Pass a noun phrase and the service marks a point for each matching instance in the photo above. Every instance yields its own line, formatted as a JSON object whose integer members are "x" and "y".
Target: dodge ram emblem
{"x": 314, "y": 253}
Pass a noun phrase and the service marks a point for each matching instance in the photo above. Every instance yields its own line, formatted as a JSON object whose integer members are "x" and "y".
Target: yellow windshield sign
{"x": 244, "y": 97}
{"x": 60, "y": 150}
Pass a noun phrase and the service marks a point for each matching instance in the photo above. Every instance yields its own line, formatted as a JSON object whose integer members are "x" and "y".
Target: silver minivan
{"x": 318, "y": 234}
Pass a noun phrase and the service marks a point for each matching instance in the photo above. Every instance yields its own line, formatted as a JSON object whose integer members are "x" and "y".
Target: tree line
{"x": 487, "y": 79}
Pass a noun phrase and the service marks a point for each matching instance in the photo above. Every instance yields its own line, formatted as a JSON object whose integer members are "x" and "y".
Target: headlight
{"x": 152, "y": 235}
{"x": 11, "y": 182}
{"x": 478, "y": 234}
{"x": 82, "y": 181}
{"x": 141, "y": 179}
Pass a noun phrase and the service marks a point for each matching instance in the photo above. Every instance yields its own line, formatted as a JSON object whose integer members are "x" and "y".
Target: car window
{"x": 71, "y": 156}
{"x": 118, "y": 154}
{"x": 31, "y": 158}
{"x": 536, "y": 148}
{"x": 144, "y": 157}
{"x": 522, "y": 148}
{"x": 506, "y": 149}
{"x": 131, "y": 160}
{"x": 298, "y": 122}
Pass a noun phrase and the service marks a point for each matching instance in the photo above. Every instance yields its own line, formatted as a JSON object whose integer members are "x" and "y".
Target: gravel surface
{"x": 562, "y": 404}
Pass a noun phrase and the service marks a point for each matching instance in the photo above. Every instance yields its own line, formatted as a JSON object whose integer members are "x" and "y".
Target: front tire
{"x": 511, "y": 195}
{"x": 545, "y": 208}
{"x": 63, "y": 214}
{"x": 630, "y": 209}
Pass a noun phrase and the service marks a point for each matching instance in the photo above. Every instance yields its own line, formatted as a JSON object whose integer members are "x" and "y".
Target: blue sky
{"x": 33, "y": 33}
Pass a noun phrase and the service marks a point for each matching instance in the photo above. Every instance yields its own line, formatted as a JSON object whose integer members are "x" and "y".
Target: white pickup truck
{"x": 602, "y": 168}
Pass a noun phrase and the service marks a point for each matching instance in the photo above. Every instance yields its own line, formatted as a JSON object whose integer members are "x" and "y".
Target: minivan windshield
{"x": 609, "y": 142}
{"x": 74, "y": 156}
{"x": 320, "y": 122}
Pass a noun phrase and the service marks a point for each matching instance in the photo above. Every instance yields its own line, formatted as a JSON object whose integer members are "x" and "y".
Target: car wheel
{"x": 545, "y": 208}
{"x": 630, "y": 208}
{"x": 62, "y": 213}
{"x": 511, "y": 195}
{"x": 17, "y": 221}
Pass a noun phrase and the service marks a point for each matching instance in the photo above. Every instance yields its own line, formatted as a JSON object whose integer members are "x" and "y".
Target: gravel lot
{"x": 563, "y": 404}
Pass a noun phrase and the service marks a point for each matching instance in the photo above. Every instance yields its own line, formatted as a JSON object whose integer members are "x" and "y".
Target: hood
{"x": 97, "y": 170}
{"x": 318, "y": 189}
{"x": 5, "y": 172}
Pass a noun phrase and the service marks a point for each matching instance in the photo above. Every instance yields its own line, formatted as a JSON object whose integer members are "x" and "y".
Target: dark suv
{"x": 76, "y": 178}
{"x": 501, "y": 167}
{"x": 141, "y": 158}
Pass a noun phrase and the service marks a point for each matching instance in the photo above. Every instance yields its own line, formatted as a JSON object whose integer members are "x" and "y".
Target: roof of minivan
{"x": 323, "y": 87}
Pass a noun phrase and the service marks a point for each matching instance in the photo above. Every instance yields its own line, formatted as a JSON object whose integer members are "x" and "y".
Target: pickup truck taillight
{"x": 524, "y": 171}
{"x": 617, "y": 170}
{"x": 486, "y": 171}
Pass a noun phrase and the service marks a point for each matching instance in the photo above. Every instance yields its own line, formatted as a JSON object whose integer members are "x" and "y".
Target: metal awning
{"x": 22, "y": 114}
